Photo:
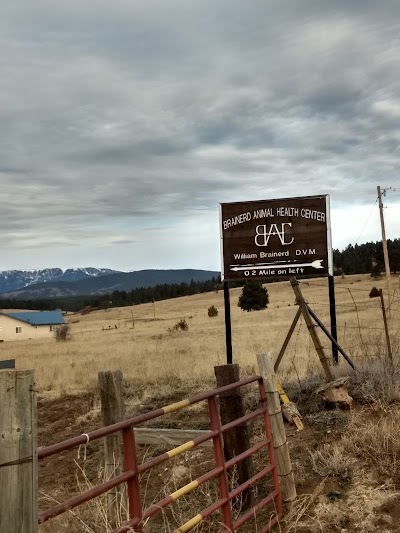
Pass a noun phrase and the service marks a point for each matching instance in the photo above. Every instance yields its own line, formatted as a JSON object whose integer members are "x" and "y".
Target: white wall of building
{"x": 8, "y": 330}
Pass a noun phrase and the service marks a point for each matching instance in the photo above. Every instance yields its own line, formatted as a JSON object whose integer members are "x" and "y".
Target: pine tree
{"x": 376, "y": 270}
{"x": 254, "y": 296}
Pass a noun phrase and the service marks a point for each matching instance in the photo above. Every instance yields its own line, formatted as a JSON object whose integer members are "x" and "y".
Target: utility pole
{"x": 385, "y": 252}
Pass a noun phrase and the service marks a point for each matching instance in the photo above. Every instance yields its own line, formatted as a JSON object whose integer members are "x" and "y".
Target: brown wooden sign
{"x": 276, "y": 238}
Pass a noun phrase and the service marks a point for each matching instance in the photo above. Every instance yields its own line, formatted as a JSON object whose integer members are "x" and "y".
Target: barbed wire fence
{"x": 360, "y": 324}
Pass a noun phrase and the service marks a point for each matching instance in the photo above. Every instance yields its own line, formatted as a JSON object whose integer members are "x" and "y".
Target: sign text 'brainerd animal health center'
{"x": 276, "y": 238}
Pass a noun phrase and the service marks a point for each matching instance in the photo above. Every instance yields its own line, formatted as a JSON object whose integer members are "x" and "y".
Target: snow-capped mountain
{"x": 11, "y": 280}
{"x": 92, "y": 281}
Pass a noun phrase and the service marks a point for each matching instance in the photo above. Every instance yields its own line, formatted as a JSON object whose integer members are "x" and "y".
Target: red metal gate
{"x": 133, "y": 470}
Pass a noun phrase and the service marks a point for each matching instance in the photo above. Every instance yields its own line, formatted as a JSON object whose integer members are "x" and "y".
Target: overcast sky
{"x": 124, "y": 124}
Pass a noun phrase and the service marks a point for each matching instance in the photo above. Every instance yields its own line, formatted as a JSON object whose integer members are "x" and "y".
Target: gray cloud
{"x": 119, "y": 117}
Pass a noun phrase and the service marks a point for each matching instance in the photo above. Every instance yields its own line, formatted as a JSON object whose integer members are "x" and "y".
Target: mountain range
{"x": 56, "y": 283}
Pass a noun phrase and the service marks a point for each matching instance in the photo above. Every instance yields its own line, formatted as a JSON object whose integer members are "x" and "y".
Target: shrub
{"x": 212, "y": 311}
{"x": 374, "y": 293}
{"x": 181, "y": 325}
{"x": 62, "y": 333}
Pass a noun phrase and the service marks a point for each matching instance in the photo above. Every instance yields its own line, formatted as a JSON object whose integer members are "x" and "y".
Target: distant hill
{"x": 103, "y": 283}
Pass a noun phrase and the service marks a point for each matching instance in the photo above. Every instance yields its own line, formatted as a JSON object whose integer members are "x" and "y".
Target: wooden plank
{"x": 169, "y": 437}
{"x": 18, "y": 455}
{"x": 285, "y": 400}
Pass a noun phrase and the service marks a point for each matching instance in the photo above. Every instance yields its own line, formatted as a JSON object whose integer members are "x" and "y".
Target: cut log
{"x": 334, "y": 394}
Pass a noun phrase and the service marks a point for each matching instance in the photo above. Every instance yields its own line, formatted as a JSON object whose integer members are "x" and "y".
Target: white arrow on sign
{"x": 314, "y": 264}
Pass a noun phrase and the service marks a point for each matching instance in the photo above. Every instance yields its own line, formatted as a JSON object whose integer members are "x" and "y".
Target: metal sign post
{"x": 228, "y": 324}
{"x": 332, "y": 311}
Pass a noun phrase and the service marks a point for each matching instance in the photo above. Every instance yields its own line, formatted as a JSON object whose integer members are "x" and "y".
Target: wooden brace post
{"x": 281, "y": 448}
{"x": 311, "y": 328}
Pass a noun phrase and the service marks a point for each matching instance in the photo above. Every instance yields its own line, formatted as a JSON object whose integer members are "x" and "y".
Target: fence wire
{"x": 363, "y": 334}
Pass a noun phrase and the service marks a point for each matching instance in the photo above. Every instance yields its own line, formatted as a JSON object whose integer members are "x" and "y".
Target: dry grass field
{"x": 139, "y": 341}
{"x": 346, "y": 464}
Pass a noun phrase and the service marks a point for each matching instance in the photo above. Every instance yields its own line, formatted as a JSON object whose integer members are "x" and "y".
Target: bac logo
{"x": 263, "y": 234}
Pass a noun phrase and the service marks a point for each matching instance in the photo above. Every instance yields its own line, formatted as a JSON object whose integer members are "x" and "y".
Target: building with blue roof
{"x": 23, "y": 325}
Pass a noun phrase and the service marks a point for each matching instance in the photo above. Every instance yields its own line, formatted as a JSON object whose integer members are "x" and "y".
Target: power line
{"x": 369, "y": 216}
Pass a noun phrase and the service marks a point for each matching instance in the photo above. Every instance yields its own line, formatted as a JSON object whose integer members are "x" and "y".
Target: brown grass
{"x": 347, "y": 465}
{"x": 152, "y": 350}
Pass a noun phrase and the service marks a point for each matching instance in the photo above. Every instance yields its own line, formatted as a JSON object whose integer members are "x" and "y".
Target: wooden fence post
{"x": 237, "y": 439}
{"x": 281, "y": 448}
{"x": 18, "y": 452}
{"x": 113, "y": 410}
{"x": 389, "y": 348}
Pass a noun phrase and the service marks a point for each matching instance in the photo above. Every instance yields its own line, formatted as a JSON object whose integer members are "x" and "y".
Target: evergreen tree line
{"x": 357, "y": 259}
{"x": 366, "y": 258}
